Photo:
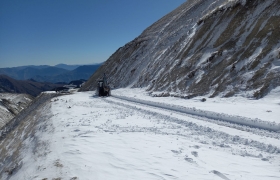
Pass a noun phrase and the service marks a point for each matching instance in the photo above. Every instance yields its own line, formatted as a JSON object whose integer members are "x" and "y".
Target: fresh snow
{"x": 82, "y": 136}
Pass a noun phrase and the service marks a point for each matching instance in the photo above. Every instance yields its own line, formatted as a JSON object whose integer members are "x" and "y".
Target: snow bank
{"x": 257, "y": 123}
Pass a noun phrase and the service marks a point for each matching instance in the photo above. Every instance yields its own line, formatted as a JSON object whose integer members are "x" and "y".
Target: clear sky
{"x": 49, "y": 32}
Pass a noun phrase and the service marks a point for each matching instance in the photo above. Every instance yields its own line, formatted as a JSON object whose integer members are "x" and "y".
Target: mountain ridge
{"x": 81, "y": 72}
{"x": 10, "y": 85}
{"x": 51, "y": 74}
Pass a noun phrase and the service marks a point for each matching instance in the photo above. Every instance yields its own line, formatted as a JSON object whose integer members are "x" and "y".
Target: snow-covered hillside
{"x": 204, "y": 47}
{"x": 82, "y": 136}
{"x": 11, "y": 104}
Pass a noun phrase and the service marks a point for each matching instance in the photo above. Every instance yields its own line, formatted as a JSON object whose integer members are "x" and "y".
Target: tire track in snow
{"x": 255, "y": 123}
{"x": 203, "y": 130}
{"x": 261, "y": 133}
{"x": 243, "y": 128}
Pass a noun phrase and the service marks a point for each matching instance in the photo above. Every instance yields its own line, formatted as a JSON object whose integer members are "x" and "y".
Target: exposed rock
{"x": 203, "y": 100}
{"x": 203, "y": 48}
{"x": 12, "y": 104}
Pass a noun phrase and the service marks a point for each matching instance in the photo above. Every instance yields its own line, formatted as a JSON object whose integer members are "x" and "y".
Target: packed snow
{"x": 82, "y": 136}
{"x": 266, "y": 109}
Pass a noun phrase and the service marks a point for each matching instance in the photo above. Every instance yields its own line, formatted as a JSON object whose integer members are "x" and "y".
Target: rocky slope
{"x": 204, "y": 47}
{"x": 11, "y": 105}
{"x": 15, "y": 135}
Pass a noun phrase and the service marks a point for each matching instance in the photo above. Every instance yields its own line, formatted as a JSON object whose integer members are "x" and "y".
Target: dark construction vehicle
{"x": 103, "y": 89}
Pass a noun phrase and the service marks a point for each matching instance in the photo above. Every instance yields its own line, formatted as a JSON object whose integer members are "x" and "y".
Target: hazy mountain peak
{"x": 66, "y": 66}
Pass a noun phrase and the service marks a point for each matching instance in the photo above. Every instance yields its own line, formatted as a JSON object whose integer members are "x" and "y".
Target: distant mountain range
{"x": 44, "y": 73}
{"x": 31, "y": 87}
{"x": 69, "y": 67}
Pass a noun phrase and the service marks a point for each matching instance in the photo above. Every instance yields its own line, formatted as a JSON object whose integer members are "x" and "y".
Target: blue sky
{"x": 49, "y": 32}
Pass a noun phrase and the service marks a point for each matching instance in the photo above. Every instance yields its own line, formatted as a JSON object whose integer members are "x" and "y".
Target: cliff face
{"x": 204, "y": 47}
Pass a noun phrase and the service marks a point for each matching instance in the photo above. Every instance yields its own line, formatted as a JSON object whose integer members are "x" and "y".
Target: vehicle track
{"x": 206, "y": 128}
{"x": 200, "y": 120}
{"x": 218, "y": 118}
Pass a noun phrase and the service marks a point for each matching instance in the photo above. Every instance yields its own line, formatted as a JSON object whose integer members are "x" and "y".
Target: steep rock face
{"x": 204, "y": 47}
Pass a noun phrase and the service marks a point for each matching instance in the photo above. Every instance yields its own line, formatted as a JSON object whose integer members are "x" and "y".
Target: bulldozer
{"x": 103, "y": 89}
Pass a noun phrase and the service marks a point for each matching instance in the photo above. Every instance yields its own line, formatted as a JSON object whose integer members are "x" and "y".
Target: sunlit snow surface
{"x": 267, "y": 108}
{"x": 88, "y": 137}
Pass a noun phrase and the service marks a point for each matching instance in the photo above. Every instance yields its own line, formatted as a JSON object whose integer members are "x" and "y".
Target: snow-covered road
{"x": 81, "y": 136}
{"x": 193, "y": 121}
{"x": 255, "y": 123}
